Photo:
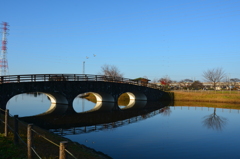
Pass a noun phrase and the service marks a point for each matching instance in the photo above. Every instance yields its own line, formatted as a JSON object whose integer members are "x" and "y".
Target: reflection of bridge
{"x": 106, "y": 126}
{"x": 96, "y": 121}
{"x": 63, "y": 88}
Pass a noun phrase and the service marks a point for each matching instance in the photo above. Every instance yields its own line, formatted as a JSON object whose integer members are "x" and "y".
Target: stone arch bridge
{"x": 62, "y": 89}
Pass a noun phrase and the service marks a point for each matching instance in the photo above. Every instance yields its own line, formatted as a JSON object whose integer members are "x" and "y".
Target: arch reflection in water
{"x": 98, "y": 119}
{"x": 133, "y": 104}
{"x": 102, "y": 106}
{"x": 106, "y": 126}
{"x": 57, "y": 109}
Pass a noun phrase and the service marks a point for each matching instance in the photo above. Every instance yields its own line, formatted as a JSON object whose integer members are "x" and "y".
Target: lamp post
{"x": 83, "y": 67}
{"x": 84, "y": 63}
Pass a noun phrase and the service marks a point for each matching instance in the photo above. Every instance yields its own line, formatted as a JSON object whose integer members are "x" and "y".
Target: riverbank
{"x": 44, "y": 148}
{"x": 194, "y": 96}
{"x": 207, "y": 96}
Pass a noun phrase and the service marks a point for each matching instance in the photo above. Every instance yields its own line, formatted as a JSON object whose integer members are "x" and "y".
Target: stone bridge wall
{"x": 71, "y": 89}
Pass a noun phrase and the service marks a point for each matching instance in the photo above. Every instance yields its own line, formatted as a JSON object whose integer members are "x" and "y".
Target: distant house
{"x": 142, "y": 81}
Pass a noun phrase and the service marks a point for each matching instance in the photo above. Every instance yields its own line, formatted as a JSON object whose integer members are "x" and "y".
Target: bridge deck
{"x": 71, "y": 77}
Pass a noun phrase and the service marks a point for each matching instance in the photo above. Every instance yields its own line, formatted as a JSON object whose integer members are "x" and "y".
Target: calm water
{"x": 170, "y": 132}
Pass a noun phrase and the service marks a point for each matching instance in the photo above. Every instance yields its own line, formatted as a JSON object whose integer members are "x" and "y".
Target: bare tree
{"x": 214, "y": 76}
{"x": 214, "y": 121}
{"x": 111, "y": 70}
{"x": 165, "y": 81}
{"x": 155, "y": 80}
{"x": 166, "y": 111}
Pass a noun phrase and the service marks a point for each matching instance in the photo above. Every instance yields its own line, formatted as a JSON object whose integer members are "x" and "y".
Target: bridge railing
{"x": 70, "y": 77}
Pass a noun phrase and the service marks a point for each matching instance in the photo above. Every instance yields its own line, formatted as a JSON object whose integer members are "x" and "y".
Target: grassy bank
{"x": 44, "y": 148}
{"x": 9, "y": 150}
{"x": 206, "y": 96}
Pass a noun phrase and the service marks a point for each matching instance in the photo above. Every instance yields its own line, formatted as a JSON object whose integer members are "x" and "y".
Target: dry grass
{"x": 207, "y": 97}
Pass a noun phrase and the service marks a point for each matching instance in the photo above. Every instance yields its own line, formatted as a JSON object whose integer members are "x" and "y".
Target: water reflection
{"x": 151, "y": 130}
{"x": 102, "y": 106}
{"x": 98, "y": 117}
{"x": 166, "y": 111}
{"x": 215, "y": 122}
{"x": 56, "y": 108}
{"x": 135, "y": 104}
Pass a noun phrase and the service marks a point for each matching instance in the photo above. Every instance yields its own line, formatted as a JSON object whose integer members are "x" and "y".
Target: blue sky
{"x": 153, "y": 38}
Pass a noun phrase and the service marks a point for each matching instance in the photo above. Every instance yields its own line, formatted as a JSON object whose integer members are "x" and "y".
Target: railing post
{"x": 104, "y": 78}
{"x": 95, "y": 77}
{"x": 34, "y": 78}
{"x": 18, "y": 79}
{"x": 6, "y": 122}
{"x": 44, "y": 77}
{"x": 62, "y": 152}
{"x": 29, "y": 140}
{"x": 16, "y": 129}
{"x": 2, "y": 79}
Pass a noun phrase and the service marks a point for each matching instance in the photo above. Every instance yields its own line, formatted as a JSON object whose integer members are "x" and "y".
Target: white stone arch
{"x": 136, "y": 100}
{"x": 104, "y": 101}
{"x": 103, "y": 97}
{"x": 137, "y": 96}
{"x": 56, "y": 98}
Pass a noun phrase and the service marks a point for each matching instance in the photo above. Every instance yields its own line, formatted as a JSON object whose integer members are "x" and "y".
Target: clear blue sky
{"x": 153, "y": 38}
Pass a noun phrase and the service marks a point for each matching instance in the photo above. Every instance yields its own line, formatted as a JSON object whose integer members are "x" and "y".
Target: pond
{"x": 180, "y": 130}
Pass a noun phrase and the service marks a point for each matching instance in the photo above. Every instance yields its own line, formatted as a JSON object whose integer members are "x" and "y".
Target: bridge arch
{"x": 103, "y": 97}
{"x": 136, "y": 96}
{"x": 56, "y": 98}
{"x": 58, "y": 103}
{"x": 101, "y": 101}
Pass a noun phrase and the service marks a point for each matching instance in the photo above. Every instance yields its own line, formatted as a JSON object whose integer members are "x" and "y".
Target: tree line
{"x": 216, "y": 77}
